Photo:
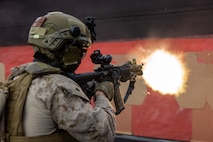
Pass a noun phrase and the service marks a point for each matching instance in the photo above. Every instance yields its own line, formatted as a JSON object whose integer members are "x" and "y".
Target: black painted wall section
{"x": 115, "y": 19}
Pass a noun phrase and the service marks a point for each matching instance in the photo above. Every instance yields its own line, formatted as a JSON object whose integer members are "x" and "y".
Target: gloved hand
{"x": 106, "y": 87}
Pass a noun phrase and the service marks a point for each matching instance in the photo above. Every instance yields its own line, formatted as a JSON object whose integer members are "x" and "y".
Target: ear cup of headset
{"x": 75, "y": 31}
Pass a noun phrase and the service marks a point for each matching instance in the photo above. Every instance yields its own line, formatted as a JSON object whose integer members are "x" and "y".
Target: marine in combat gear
{"x": 45, "y": 105}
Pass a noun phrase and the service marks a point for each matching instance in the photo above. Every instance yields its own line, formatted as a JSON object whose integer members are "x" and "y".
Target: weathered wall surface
{"x": 152, "y": 114}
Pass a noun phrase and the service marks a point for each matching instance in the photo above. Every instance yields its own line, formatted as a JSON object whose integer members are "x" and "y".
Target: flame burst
{"x": 165, "y": 72}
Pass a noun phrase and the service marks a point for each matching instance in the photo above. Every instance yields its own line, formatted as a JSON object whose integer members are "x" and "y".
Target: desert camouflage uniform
{"x": 57, "y": 102}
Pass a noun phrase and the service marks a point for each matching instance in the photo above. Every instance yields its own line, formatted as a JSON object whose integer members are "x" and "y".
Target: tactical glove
{"x": 106, "y": 87}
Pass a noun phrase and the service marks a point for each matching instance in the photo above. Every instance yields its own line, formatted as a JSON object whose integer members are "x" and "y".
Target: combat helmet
{"x": 61, "y": 39}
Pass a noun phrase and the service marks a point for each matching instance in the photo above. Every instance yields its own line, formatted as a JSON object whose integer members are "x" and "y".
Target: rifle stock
{"x": 85, "y": 77}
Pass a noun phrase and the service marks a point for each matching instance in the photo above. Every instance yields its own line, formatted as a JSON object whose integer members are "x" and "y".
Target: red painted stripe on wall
{"x": 159, "y": 116}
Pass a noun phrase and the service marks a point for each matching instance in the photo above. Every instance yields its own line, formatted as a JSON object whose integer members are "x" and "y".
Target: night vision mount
{"x": 90, "y": 23}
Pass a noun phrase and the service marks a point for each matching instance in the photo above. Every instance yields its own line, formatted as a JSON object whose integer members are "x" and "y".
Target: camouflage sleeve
{"x": 74, "y": 113}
